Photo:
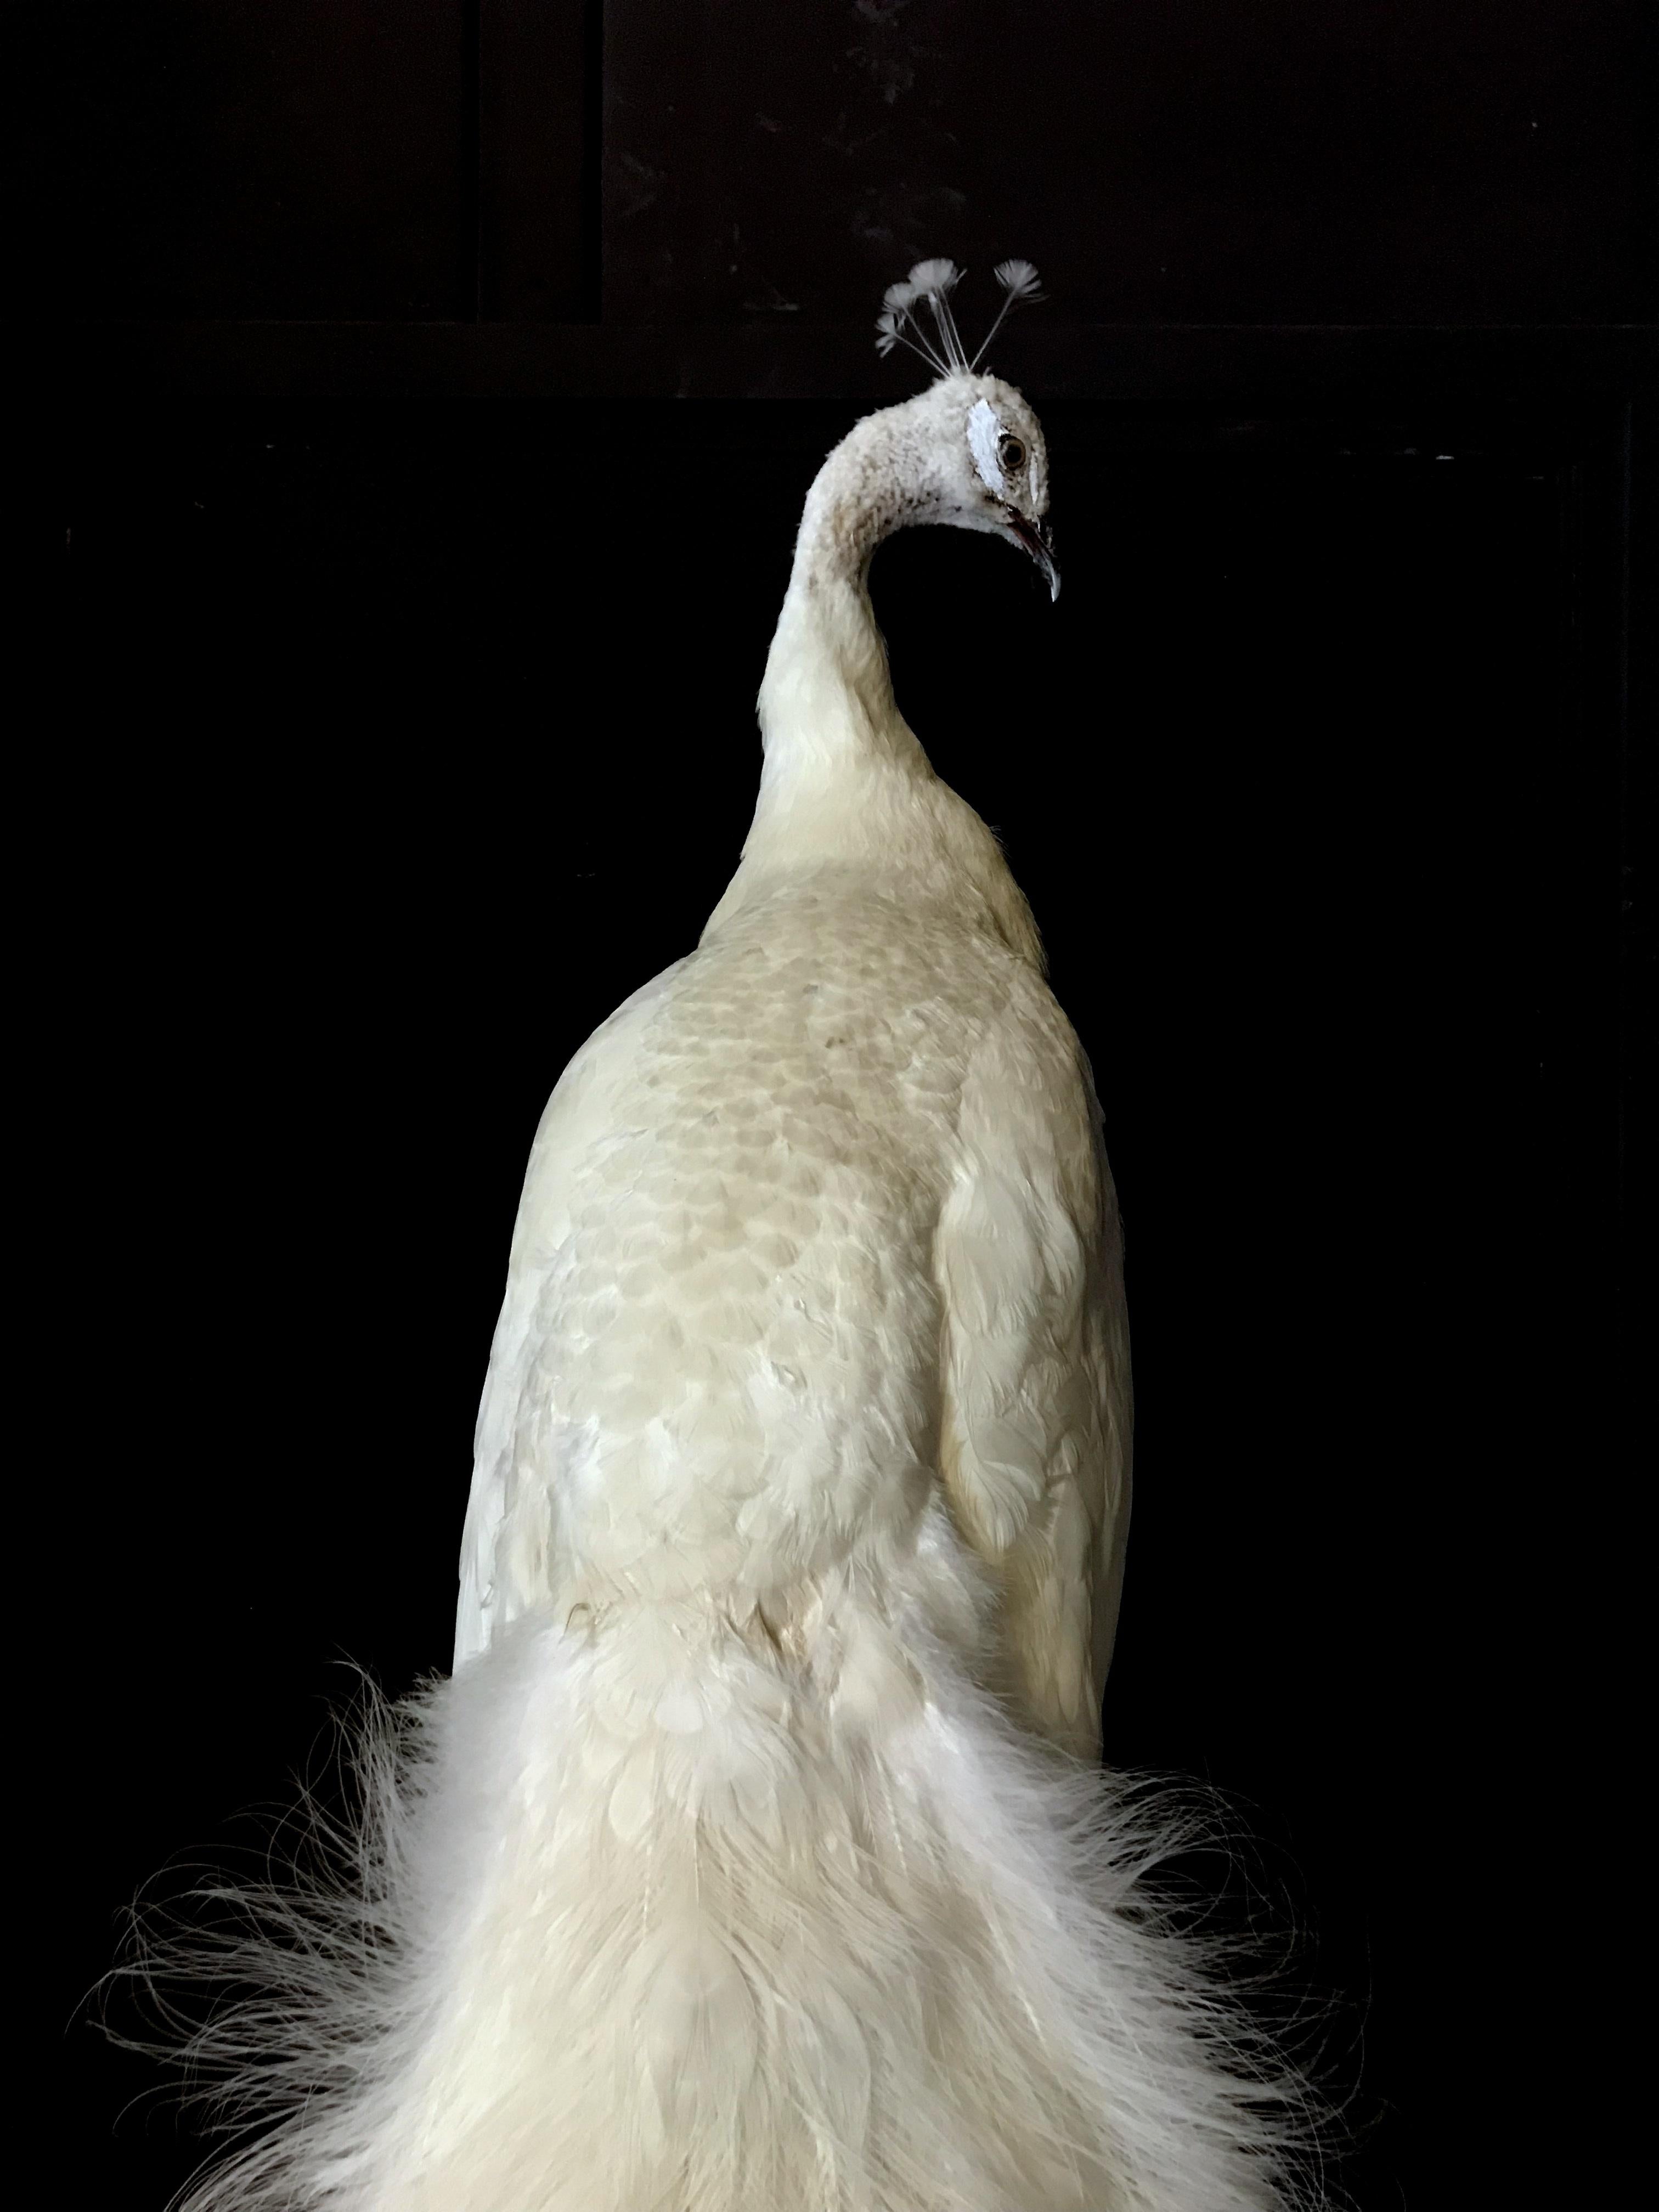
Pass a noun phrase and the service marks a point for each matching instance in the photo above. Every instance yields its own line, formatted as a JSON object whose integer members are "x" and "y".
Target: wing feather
{"x": 1037, "y": 1406}
{"x": 580, "y": 1112}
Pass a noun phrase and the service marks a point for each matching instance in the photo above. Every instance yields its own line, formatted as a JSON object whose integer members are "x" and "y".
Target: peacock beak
{"x": 1038, "y": 540}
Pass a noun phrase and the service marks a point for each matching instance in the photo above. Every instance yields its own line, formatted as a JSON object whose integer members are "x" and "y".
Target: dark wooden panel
{"x": 1158, "y": 368}
{"x": 1205, "y": 160}
{"x": 226, "y": 157}
{"x": 538, "y": 157}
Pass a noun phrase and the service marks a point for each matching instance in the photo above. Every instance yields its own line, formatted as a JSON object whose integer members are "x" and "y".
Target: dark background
{"x": 415, "y": 406}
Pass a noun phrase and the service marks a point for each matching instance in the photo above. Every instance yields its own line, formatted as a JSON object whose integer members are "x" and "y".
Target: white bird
{"x": 753, "y": 1856}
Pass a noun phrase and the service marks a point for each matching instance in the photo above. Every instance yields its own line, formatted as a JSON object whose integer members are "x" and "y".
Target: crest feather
{"x": 1019, "y": 280}
{"x": 933, "y": 281}
{"x": 938, "y": 275}
{"x": 1020, "y": 284}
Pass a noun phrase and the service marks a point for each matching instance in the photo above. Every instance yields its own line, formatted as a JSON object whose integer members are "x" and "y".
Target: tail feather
{"x": 640, "y": 1918}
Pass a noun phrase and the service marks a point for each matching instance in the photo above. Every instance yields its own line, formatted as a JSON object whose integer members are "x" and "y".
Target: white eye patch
{"x": 983, "y": 431}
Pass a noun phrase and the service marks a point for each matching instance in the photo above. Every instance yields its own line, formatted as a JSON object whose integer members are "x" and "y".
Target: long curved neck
{"x": 826, "y": 701}
{"x": 845, "y": 782}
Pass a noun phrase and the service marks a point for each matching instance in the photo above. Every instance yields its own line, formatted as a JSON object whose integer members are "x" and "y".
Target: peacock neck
{"x": 845, "y": 783}
{"x": 827, "y": 709}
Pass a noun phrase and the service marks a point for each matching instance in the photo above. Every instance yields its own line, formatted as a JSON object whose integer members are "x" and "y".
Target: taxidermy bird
{"x": 755, "y": 1857}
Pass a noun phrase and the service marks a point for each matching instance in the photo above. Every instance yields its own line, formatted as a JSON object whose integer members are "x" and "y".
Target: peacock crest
{"x": 931, "y": 284}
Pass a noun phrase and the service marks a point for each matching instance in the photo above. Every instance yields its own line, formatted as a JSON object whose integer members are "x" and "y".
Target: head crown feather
{"x": 931, "y": 284}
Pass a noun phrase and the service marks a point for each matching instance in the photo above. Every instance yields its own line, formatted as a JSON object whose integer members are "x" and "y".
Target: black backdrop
{"x": 395, "y": 720}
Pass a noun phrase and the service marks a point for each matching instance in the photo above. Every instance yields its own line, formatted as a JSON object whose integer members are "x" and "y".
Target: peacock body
{"x": 755, "y": 1856}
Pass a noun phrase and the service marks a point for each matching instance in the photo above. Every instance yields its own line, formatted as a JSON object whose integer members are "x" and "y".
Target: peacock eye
{"x": 1011, "y": 452}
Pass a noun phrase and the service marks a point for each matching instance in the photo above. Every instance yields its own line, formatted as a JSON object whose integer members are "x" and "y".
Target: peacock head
{"x": 990, "y": 465}
{"x": 995, "y": 464}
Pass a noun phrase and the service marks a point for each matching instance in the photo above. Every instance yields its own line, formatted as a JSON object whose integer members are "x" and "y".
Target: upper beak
{"x": 1038, "y": 540}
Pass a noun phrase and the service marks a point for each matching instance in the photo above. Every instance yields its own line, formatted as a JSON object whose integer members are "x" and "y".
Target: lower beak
{"x": 1038, "y": 540}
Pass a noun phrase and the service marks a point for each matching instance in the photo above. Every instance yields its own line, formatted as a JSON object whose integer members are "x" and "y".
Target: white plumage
{"x": 818, "y": 1243}
{"x": 752, "y": 1858}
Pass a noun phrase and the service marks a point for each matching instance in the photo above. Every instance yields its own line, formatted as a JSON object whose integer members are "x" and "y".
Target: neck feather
{"x": 826, "y": 701}
{"x": 845, "y": 781}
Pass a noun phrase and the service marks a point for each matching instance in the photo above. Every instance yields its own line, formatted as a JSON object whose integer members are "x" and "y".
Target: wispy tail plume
{"x": 639, "y": 1914}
